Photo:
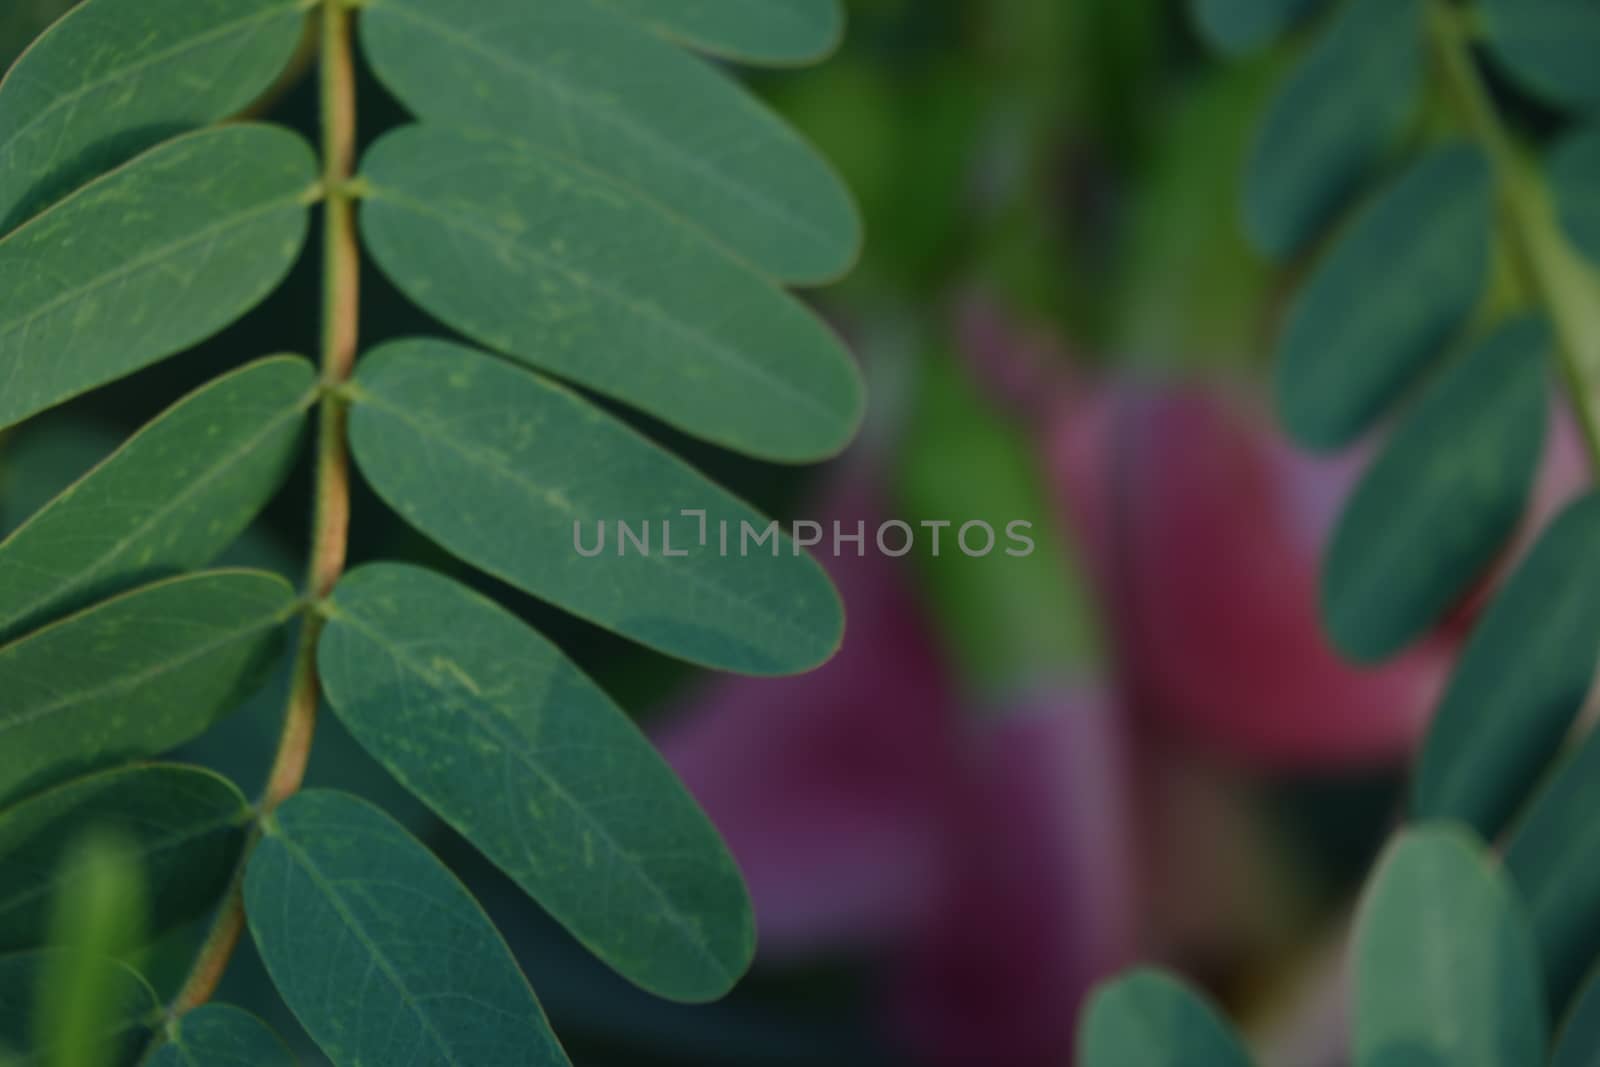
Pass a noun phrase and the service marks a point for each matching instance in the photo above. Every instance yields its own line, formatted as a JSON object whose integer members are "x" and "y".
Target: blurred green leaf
{"x": 1387, "y": 299}
{"x": 1441, "y": 501}
{"x": 136, "y": 675}
{"x": 524, "y": 253}
{"x": 99, "y": 914}
{"x": 175, "y": 495}
{"x": 183, "y": 826}
{"x": 509, "y": 471}
{"x": 382, "y": 954}
{"x": 1554, "y": 856}
{"x": 220, "y": 1035}
{"x": 1236, "y": 26}
{"x": 1445, "y": 971}
{"x": 115, "y": 78}
{"x": 1150, "y": 1019}
{"x": 579, "y": 82}
{"x": 1520, "y": 682}
{"x": 123, "y": 1012}
{"x": 1574, "y": 175}
{"x": 746, "y": 31}
{"x": 530, "y": 761}
{"x": 1340, "y": 111}
{"x": 1548, "y": 46}
{"x": 1578, "y": 1043}
{"x": 148, "y": 260}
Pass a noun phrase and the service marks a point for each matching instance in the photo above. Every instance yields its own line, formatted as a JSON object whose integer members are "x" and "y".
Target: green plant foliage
{"x": 129, "y": 1008}
{"x": 1445, "y": 971}
{"x": 1549, "y": 46}
{"x": 578, "y": 81}
{"x": 1150, "y": 1019}
{"x": 1441, "y": 501}
{"x": 523, "y": 252}
{"x": 520, "y": 752}
{"x": 1554, "y": 856}
{"x": 383, "y": 955}
{"x": 775, "y": 32}
{"x": 1388, "y": 296}
{"x": 1332, "y": 122}
{"x": 183, "y": 826}
{"x": 1574, "y": 175}
{"x": 170, "y": 499}
{"x": 1578, "y": 1043}
{"x": 1520, "y": 682}
{"x": 1236, "y": 26}
{"x": 148, "y": 260}
{"x": 220, "y": 1035}
{"x": 585, "y": 196}
{"x": 169, "y": 660}
{"x": 458, "y": 443}
{"x": 115, "y": 78}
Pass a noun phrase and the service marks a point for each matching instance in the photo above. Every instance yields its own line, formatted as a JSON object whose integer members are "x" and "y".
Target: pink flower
{"x": 983, "y": 856}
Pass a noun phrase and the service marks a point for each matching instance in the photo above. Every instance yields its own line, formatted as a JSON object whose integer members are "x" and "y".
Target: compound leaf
{"x": 1574, "y": 175}
{"x": 1520, "y": 682}
{"x": 381, "y": 953}
{"x": 1445, "y": 971}
{"x": 136, "y": 675}
{"x": 1548, "y": 46}
{"x": 118, "y": 76}
{"x": 1386, "y": 299}
{"x": 529, "y": 760}
{"x": 775, "y": 32}
{"x": 184, "y": 825}
{"x": 510, "y": 472}
{"x": 169, "y": 500}
{"x": 148, "y": 260}
{"x": 1233, "y": 27}
{"x": 220, "y": 1035}
{"x": 1150, "y": 1019}
{"x": 524, "y": 253}
{"x": 1554, "y": 856}
{"x": 1443, "y": 498}
{"x": 579, "y": 81}
{"x": 1333, "y": 120}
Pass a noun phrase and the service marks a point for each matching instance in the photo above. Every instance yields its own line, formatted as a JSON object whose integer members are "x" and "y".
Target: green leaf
{"x": 97, "y": 916}
{"x": 381, "y": 953}
{"x": 148, "y": 260}
{"x": 136, "y": 675}
{"x": 529, "y": 760}
{"x": 1520, "y": 682}
{"x": 1325, "y": 132}
{"x": 1554, "y": 856}
{"x": 578, "y": 81}
{"x": 1574, "y": 176}
{"x": 1233, "y": 27}
{"x": 509, "y": 471}
{"x": 1442, "y": 499}
{"x": 133, "y": 1007}
{"x": 1386, "y": 299}
{"x": 169, "y": 500}
{"x": 1148, "y": 1018}
{"x": 523, "y": 253}
{"x": 1578, "y": 1043}
{"x": 1548, "y": 46}
{"x": 184, "y": 825}
{"x": 774, "y": 32}
{"x": 1445, "y": 971}
{"x": 220, "y": 1035}
{"x": 116, "y": 77}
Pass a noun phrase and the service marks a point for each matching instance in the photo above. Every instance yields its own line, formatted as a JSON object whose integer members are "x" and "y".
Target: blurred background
{"x": 1020, "y": 774}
